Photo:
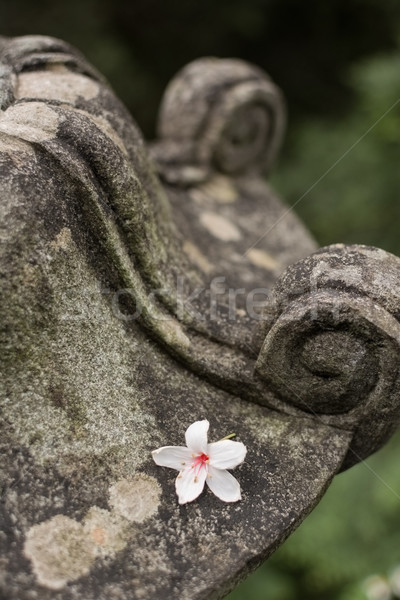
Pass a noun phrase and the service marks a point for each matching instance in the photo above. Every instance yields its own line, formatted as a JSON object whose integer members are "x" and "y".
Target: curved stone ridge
{"x": 67, "y": 116}
{"x": 33, "y": 52}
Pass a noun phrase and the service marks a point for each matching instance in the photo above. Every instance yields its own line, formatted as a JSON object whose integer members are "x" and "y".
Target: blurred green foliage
{"x": 343, "y": 176}
{"x": 338, "y": 63}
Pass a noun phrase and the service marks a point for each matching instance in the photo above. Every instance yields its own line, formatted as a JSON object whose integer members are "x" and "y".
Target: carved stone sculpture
{"x": 145, "y": 288}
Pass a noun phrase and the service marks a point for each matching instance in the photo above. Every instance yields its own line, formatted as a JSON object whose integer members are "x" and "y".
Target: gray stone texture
{"x": 110, "y": 350}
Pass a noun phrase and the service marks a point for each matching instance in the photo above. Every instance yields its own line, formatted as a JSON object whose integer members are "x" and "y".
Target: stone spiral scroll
{"x": 219, "y": 114}
{"x": 334, "y": 341}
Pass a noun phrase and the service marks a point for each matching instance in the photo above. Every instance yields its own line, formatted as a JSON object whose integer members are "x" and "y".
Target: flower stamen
{"x": 200, "y": 461}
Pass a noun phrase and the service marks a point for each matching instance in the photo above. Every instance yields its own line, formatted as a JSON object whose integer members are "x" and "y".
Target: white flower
{"x": 201, "y": 463}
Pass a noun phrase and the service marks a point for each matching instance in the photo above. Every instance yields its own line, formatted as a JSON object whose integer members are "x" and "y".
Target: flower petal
{"x": 223, "y": 484}
{"x": 190, "y": 483}
{"x": 174, "y": 457}
{"x": 196, "y": 437}
{"x": 226, "y": 454}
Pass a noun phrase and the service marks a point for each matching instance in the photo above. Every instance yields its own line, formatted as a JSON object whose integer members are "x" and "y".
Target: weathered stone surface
{"x": 333, "y": 339}
{"x": 109, "y": 355}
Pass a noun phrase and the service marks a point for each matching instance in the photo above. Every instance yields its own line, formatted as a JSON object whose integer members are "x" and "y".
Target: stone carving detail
{"x": 128, "y": 282}
{"x": 333, "y": 345}
{"x": 218, "y": 114}
{"x": 334, "y": 341}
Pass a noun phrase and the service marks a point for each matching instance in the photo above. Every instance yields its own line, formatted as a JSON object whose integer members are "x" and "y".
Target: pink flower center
{"x": 199, "y": 462}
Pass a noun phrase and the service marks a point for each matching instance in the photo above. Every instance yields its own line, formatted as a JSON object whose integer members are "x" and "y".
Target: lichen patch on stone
{"x": 108, "y": 531}
{"x": 260, "y": 258}
{"x": 14, "y": 146}
{"x": 220, "y": 227}
{"x": 135, "y": 499}
{"x": 62, "y": 240}
{"x": 221, "y": 189}
{"x": 30, "y": 121}
{"x": 197, "y": 257}
{"x": 173, "y": 333}
{"x": 53, "y": 85}
{"x": 60, "y": 551}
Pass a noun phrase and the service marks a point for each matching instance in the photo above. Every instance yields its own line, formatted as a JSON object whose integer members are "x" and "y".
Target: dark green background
{"x": 338, "y": 63}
